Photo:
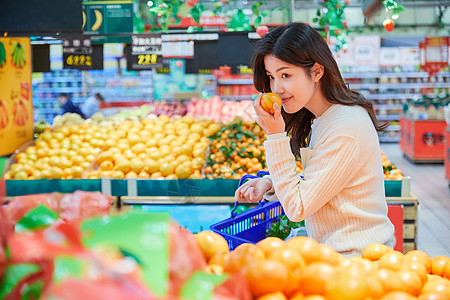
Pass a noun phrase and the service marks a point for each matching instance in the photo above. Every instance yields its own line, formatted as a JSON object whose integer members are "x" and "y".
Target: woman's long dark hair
{"x": 301, "y": 45}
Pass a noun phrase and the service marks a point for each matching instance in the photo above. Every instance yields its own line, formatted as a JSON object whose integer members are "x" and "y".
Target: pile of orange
{"x": 301, "y": 268}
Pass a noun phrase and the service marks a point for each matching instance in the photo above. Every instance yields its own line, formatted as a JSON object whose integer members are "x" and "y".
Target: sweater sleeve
{"x": 329, "y": 169}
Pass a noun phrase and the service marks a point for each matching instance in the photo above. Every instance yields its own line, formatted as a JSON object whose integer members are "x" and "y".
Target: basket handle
{"x": 241, "y": 182}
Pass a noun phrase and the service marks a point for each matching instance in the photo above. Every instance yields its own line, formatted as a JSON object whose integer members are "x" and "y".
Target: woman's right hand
{"x": 253, "y": 190}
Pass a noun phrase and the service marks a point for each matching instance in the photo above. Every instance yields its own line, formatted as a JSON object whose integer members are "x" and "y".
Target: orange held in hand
{"x": 267, "y": 101}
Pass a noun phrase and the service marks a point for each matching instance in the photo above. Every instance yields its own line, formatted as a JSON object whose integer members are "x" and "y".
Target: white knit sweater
{"x": 341, "y": 197}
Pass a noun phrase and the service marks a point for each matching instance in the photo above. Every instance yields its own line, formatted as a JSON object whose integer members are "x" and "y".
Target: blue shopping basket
{"x": 249, "y": 226}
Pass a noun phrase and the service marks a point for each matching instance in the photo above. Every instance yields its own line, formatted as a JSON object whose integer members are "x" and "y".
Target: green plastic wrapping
{"x": 143, "y": 235}
{"x": 201, "y": 286}
{"x": 38, "y": 217}
{"x": 13, "y": 275}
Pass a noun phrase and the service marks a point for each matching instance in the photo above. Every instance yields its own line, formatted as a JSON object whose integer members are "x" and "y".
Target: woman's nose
{"x": 277, "y": 88}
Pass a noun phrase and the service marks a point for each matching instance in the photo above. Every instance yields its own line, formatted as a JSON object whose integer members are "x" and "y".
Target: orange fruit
{"x": 265, "y": 276}
{"x": 438, "y": 264}
{"x": 392, "y": 260}
{"x": 411, "y": 281}
{"x": 316, "y": 277}
{"x": 417, "y": 268}
{"x": 389, "y": 279}
{"x": 446, "y": 271}
{"x": 365, "y": 266}
{"x": 328, "y": 255}
{"x": 315, "y": 297}
{"x": 375, "y": 251}
{"x": 432, "y": 296}
{"x": 267, "y": 101}
{"x": 270, "y": 244}
{"x": 273, "y": 296}
{"x": 437, "y": 286}
{"x": 349, "y": 285}
{"x": 211, "y": 243}
{"x": 219, "y": 258}
{"x": 214, "y": 269}
{"x": 421, "y": 257}
{"x": 296, "y": 266}
{"x": 241, "y": 256}
{"x": 376, "y": 289}
{"x": 307, "y": 247}
{"x": 398, "y": 295}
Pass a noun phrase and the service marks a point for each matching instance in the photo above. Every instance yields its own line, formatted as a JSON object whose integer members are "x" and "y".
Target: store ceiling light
{"x": 150, "y": 3}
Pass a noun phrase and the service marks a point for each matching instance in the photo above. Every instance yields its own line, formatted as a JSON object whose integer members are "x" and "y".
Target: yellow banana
{"x": 84, "y": 19}
{"x": 98, "y": 20}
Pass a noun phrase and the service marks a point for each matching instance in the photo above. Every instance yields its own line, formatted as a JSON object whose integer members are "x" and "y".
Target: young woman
{"x": 333, "y": 129}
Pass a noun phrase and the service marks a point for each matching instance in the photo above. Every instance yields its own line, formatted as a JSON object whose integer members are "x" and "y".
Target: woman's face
{"x": 291, "y": 83}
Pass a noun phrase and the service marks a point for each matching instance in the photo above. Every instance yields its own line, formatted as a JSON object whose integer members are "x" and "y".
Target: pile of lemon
{"x": 159, "y": 147}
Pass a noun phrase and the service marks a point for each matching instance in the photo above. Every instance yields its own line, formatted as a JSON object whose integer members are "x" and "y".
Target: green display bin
{"x": 26, "y": 187}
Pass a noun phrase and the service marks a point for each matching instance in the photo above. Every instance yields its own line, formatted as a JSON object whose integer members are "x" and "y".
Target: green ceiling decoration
{"x": 331, "y": 18}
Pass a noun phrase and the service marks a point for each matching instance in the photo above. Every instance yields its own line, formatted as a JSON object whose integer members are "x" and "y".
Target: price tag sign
{"x": 146, "y": 52}
{"x": 165, "y": 69}
{"x": 77, "y": 53}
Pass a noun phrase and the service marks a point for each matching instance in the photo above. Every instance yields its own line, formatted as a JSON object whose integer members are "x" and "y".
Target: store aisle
{"x": 432, "y": 190}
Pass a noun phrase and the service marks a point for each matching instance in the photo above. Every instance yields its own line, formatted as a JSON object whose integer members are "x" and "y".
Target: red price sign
{"x": 434, "y": 54}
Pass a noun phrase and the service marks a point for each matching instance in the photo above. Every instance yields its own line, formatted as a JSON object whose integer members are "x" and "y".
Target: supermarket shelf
{"x": 393, "y": 128}
{"x": 235, "y": 81}
{"x": 388, "y": 117}
{"x": 389, "y": 139}
{"x": 394, "y": 75}
{"x": 58, "y": 89}
{"x": 391, "y": 96}
{"x": 398, "y": 85}
{"x": 58, "y": 79}
{"x": 236, "y": 97}
{"x": 388, "y": 106}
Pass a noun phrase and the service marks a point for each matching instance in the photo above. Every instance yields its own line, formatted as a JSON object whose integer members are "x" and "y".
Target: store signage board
{"x": 108, "y": 17}
{"x": 146, "y": 52}
{"x": 390, "y": 56}
{"x": 77, "y": 53}
{"x": 16, "y": 105}
{"x": 434, "y": 54}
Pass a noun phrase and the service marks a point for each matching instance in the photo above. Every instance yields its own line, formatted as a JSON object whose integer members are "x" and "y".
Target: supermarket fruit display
{"x": 300, "y": 268}
{"x": 88, "y": 256}
{"x": 390, "y": 170}
{"x": 237, "y": 149}
{"x": 218, "y": 109}
{"x": 156, "y": 147}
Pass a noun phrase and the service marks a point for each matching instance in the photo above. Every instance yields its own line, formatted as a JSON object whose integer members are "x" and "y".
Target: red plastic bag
{"x": 185, "y": 257}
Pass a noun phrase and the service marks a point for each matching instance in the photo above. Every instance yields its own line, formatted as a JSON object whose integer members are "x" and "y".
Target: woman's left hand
{"x": 269, "y": 123}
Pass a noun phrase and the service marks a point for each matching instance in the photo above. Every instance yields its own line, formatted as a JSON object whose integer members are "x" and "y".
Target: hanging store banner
{"x": 108, "y": 17}
{"x": 434, "y": 54}
{"x": 16, "y": 105}
{"x": 146, "y": 53}
{"x": 77, "y": 53}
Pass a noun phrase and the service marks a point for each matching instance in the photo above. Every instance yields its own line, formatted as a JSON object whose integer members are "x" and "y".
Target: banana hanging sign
{"x": 107, "y": 17}
{"x": 16, "y": 104}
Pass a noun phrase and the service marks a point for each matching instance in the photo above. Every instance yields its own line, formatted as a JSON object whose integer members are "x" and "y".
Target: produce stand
{"x": 422, "y": 141}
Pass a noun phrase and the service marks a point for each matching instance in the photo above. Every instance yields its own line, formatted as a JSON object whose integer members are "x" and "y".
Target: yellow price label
{"x": 204, "y": 71}
{"x": 79, "y": 60}
{"x": 147, "y": 59}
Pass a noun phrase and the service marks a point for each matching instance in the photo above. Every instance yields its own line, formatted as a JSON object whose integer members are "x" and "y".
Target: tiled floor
{"x": 432, "y": 190}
